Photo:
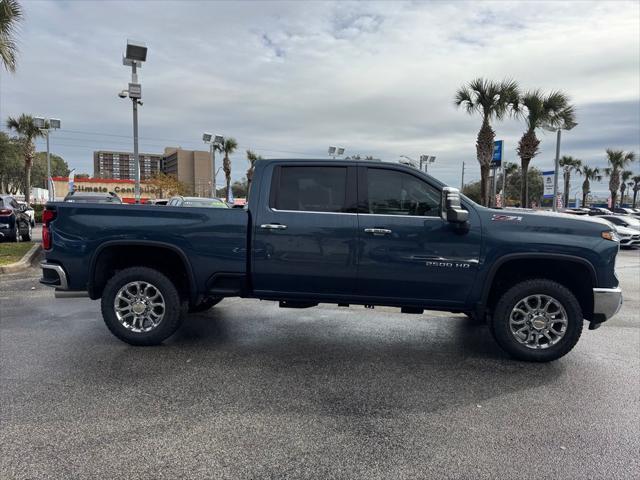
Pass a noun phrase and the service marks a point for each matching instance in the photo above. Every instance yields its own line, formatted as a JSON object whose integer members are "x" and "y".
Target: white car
{"x": 629, "y": 237}
{"x": 622, "y": 221}
{"x": 29, "y": 211}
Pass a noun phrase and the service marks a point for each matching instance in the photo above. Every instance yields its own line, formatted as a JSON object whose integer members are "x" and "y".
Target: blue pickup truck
{"x": 341, "y": 232}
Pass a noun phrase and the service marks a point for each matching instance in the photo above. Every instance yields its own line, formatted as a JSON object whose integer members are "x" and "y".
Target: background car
{"x": 628, "y": 236}
{"x": 576, "y": 211}
{"x": 599, "y": 211}
{"x": 201, "y": 202}
{"x": 92, "y": 197}
{"x": 29, "y": 211}
{"x": 623, "y": 221}
{"x": 158, "y": 201}
{"x": 624, "y": 210}
{"x": 15, "y": 223}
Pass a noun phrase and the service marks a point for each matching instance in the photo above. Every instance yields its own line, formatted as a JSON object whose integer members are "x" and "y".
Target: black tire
{"x": 15, "y": 235}
{"x": 205, "y": 304}
{"x": 499, "y": 322}
{"x": 26, "y": 237}
{"x": 169, "y": 323}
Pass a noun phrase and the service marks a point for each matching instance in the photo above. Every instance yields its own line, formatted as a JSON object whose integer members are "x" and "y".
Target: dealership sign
{"x": 548, "y": 181}
{"x": 122, "y": 188}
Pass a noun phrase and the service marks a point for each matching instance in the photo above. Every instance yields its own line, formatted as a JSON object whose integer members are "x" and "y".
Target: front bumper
{"x": 606, "y": 303}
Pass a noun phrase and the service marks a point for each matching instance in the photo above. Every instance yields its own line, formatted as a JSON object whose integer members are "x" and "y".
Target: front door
{"x": 305, "y": 231}
{"x": 408, "y": 252}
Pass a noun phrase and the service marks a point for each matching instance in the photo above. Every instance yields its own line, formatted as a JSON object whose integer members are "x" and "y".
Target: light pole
{"x": 45, "y": 126}
{"x": 135, "y": 55}
{"x": 215, "y": 143}
{"x": 565, "y": 126}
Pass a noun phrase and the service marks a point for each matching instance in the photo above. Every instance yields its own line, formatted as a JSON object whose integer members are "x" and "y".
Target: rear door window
{"x": 311, "y": 189}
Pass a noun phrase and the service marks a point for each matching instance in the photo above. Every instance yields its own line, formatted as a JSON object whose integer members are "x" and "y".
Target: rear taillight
{"x": 5, "y": 211}
{"x": 47, "y": 217}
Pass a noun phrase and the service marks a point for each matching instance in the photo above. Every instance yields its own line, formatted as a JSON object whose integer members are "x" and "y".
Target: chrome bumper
{"x": 606, "y": 303}
{"x": 63, "y": 284}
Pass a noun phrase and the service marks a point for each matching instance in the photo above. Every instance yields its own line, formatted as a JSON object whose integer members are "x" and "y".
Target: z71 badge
{"x": 506, "y": 218}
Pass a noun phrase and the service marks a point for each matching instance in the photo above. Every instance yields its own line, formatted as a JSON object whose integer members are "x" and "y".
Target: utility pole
{"x": 462, "y": 181}
{"x": 555, "y": 177}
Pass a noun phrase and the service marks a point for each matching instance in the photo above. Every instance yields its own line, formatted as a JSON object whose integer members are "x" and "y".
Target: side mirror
{"x": 452, "y": 210}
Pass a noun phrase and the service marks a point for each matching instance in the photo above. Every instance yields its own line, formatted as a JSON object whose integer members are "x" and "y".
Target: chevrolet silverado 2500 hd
{"x": 342, "y": 232}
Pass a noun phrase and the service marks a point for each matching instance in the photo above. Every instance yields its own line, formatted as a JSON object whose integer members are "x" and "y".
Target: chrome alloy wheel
{"x": 538, "y": 321}
{"x": 139, "y": 306}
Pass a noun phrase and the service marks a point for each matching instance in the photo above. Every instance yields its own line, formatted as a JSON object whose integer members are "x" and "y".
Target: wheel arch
{"x": 96, "y": 283}
{"x": 558, "y": 267}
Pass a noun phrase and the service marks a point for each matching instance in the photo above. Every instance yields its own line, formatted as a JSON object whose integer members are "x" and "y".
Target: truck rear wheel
{"x": 141, "y": 306}
{"x": 537, "y": 321}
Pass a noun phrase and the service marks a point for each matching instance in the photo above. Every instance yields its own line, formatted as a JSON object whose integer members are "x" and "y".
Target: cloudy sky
{"x": 288, "y": 79}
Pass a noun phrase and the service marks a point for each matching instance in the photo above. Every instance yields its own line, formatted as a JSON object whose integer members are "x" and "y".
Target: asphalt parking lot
{"x": 249, "y": 390}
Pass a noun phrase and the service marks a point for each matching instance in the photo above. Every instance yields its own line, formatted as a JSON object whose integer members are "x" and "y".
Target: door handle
{"x": 273, "y": 226}
{"x": 378, "y": 231}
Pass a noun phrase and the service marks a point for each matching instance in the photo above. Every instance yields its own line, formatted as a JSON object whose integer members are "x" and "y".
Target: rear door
{"x": 409, "y": 253}
{"x": 305, "y": 230}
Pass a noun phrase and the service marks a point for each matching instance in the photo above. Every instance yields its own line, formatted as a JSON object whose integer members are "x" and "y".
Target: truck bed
{"x": 213, "y": 239}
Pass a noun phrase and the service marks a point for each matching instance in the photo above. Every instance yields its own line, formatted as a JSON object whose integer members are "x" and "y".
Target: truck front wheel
{"x": 537, "y": 321}
{"x": 141, "y": 306}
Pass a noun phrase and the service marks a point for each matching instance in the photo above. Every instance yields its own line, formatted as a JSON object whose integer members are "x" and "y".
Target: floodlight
{"x": 39, "y": 122}
{"x": 218, "y": 140}
{"x": 332, "y": 150}
{"x": 340, "y": 151}
{"x": 206, "y": 137}
{"x": 54, "y": 123}
{"x": 136, "y": 51}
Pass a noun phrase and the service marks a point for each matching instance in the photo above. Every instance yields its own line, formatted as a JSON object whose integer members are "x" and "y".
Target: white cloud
{"x": 297, "y": 76}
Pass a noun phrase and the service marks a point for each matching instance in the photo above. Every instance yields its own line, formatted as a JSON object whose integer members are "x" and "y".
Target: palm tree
{"x": 492, "y": 100}
{"x": 589, "y": 174}
{"x": 228, "y": 147}
{"x": 10, "y": 15}
{"x": 568, "y": 164}
{"x": 617, "y": 160}
{"x": 636, "y": 188}
{"x": 552, "y": 111}
{"x": 252, "y": 157}
{"x": 625, "y": 175}
{"x": 27, "y": 130}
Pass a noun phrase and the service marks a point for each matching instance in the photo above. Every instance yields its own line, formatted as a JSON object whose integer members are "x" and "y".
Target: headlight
{"x": 610, "y": 235}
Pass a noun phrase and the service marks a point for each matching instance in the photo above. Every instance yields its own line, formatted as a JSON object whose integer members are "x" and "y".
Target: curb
{"x": 24, "y": 262}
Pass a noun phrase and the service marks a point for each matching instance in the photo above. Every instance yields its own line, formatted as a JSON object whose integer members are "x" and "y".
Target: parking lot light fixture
{"x": 46, "y": 126}
{"x": 215, "y": 143}
{"x": 135, "y": 55}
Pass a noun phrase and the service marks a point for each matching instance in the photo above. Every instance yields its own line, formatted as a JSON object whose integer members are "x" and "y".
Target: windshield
{"x": 204, "y": 203}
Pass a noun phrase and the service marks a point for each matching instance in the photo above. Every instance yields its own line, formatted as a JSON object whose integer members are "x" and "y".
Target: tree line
{"x": 494, "y": 101}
